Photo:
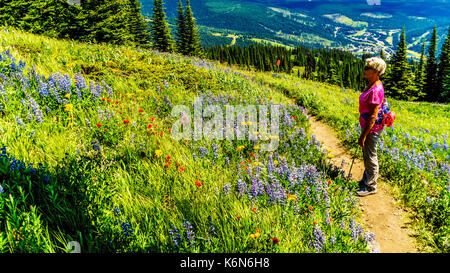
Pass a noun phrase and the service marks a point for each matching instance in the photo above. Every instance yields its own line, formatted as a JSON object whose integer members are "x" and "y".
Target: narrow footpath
{"x": 380, "y": 212}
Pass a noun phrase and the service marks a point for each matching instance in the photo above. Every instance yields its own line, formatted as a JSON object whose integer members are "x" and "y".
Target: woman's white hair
{"x": 376, "y": 63}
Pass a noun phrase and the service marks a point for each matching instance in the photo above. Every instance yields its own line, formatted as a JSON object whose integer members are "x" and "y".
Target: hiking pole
{"x": 351, "y": 165}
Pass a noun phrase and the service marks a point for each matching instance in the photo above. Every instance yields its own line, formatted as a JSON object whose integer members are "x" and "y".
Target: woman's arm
{"x": 373, "y": 112}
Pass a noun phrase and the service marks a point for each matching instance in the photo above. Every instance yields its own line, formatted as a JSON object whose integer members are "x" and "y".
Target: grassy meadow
{"x": 87, "y": 156}
{"x": 414, "y": 155}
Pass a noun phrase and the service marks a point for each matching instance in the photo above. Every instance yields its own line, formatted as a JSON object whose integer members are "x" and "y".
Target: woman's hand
{"x": 361, "y": 140}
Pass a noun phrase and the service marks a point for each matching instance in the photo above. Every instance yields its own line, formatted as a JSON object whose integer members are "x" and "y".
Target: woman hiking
{"x": 370, "y": 103}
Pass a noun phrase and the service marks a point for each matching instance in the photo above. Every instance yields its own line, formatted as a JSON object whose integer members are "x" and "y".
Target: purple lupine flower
{"x": 211, "y": 229}
{"x": 43, "y": 89}
{"x": 319, "y": 239}
{"x": 241, "y": 187}
{"x": 80, "y": 82}
{"x": 190, "y": 235}
{"x": 36, "y": 110}
{"x": 226, "y": 189}
{"x": 96, "y": 145}
{"x": 126, "y": 228}
{"x": 203, "y": 151}
{"x": 108, "y": 89}
{"x": 369, "y": 237}
{"x": 215, "y": 149}
{"x": 3, "y": 92}
{"x": 19, "y": 121}
{"x": 176, "y": 237}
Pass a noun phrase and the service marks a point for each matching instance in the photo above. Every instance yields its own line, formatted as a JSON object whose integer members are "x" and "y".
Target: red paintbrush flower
{"x": 198, "y": 183}
{"x": 126, "y": 121}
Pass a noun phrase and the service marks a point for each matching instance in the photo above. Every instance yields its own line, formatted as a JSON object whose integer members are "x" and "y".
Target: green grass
{"x": 420, "y": 131}
{"x": 116, "y": 184}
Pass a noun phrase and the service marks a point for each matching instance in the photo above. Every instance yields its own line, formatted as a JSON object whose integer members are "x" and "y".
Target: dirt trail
{"x": 380, "y": 212}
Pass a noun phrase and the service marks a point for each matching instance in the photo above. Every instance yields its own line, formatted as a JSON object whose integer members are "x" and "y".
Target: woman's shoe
{"x": 366, "y": 191}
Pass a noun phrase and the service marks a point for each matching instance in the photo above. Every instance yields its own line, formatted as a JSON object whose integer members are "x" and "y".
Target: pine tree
{"x": 12, "y": 12}
{"x": 105, "y": 21}
{"x": 193, "y": 47}
{"x": 419, "y": 79}
{"x": 162, "y": 40}
{"x": 382, "y": 55}
{"x": 445, "y": 95}
{"x": 431, "y": 82}
{"x": 181, "y": 30}
{"x": 137, "y": 26}
{"x": 399, "y": 83}
{"x": 444, "y": 65}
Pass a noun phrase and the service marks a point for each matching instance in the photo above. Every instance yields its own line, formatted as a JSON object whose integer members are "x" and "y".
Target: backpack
{"x": 385, "y": 116}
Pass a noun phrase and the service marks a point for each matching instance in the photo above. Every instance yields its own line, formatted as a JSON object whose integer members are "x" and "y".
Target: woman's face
{"x": 370, "y": 74}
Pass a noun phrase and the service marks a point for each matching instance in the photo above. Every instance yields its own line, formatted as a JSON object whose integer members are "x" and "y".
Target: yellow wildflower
{"x": 67, "y": 95}
{"x": 68, "y": 107}
{"x": 239, "y": 148}
{"x": 158, "y": 152}
{"x": 275, "y": 162}
{"x": 256, "y": 163}
{"x": 330, "y": 156}
{"x": 252, "y": 236}
{"x": 292, "y": 197}
{"x": 257, "y": 234}
{"x": 256, "y": 147}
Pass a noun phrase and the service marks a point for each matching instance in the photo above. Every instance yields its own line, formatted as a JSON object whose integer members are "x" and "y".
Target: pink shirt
{"x": 374, "y": 95}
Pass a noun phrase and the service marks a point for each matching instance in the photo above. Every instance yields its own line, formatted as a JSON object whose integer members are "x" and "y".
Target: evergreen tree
{"x": 12, "y": 12}
{"x": 106, "y": 21}
{"x": 431, "y": 87}
{"x": 399, "y": 83}
{"x": 193, "y": 47}
{"x": 137, "y": 25}
{"x": 181, "y": 30}
{"x": 382, "y": 55}
{"x": 444, "y": 65}
{"x": 419, "y": 79}
{"x": 445, "y": 95}
{"x": 162, "y": 40}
